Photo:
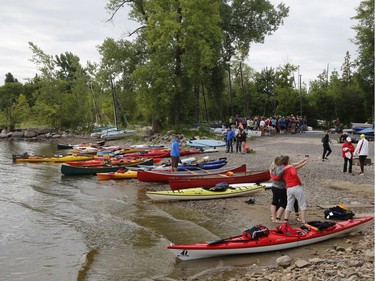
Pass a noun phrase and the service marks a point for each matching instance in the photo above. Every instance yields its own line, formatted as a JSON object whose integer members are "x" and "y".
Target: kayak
{"x": 192, "y": 166}
{"x": 205, "y": 143}
{"x": 276, "y": 240}
{"x": 24, "y": 158}
{"x": 199, "y": 193}
{"x": 119, "y": 174}
{"x": 70, "y": 170}
{"x": 206, "y": 180}
{"x": 164, "y": 176}
{"x": 71, "y": 146}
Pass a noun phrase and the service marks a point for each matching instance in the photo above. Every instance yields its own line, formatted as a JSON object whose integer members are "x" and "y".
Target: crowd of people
{"x": 271, "y": 125}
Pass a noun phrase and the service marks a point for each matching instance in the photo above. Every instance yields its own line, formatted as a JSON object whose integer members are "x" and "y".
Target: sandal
{"x": 298, "y": 219}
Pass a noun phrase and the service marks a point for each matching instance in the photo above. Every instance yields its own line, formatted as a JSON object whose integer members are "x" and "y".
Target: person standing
{"x": 326, "y": 148}
{"x": 239, "y": 139}
{"x": 175, "y": 153}
{"x": 279, "y": 191}
{"x": 229, "y": 139}
{"x": 347, "y": 153}
{"x": 294, "y": 188}
{"x": 362, "y": 151}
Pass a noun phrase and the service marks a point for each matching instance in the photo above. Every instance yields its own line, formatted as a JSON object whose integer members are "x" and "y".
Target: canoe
{"x": 205, "y": 165}
{"x": 164, "y": 176}
{"x": 93, "y": 170}
{"x": 118, "y": 175}
{"x": 274, "y": 241}
{"x": 117, "y": 134}
{"x": 24, "y": 158}
{"x": 206, "y": 180}
{"x": 70, "y": 146}
{"x": 205, "y": 143}
{"x": 200, "y": 193}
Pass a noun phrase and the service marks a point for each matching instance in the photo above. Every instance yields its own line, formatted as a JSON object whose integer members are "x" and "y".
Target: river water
{"x": 55, "y": 227}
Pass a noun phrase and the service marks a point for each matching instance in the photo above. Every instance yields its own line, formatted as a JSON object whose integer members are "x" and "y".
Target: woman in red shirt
{"x": 294, "y": 188}
{"x": 347, "y": 153}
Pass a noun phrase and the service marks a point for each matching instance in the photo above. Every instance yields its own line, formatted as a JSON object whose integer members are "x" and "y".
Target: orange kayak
{"x": 120, "y": 174}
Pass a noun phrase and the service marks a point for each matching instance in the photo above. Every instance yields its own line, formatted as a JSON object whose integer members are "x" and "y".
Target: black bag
{"x": 256, "y": 232}
{"x": 322, "y": 225}
{"x": 338, "y": 213}
{"x": 220, "y": 187}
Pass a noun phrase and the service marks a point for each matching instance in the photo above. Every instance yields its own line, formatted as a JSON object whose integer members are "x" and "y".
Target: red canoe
{"x": 211, "y": 180}
{"x": 164, "y": 176}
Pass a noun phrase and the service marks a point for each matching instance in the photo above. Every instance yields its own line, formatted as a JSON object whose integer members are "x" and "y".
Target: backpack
{"x": 287, "y": 229}
{"x": 338, "y": 212}
{"x": 256, "y": 232}
{"x": 322, "y": 225}
{"x": 219, "y": 187}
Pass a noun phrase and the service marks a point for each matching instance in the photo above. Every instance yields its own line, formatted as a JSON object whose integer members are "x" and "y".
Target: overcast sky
{"x": 316, "y": 33}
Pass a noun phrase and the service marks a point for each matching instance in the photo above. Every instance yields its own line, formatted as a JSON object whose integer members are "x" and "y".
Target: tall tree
{"x": 364, "y": 39}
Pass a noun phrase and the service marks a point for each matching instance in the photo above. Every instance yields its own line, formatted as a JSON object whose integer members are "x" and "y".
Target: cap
{"x": 362, "y": 136}
{"x": 348, "y": 139}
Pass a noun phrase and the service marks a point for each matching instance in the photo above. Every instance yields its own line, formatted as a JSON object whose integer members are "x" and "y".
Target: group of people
{"x": 237, "y": 136}
{"x": 272, "y": 124}
{"x": 348, "y": 151}
{"x": 287, "y": 191}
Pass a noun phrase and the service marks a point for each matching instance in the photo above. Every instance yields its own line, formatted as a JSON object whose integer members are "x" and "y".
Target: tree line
{"x": 186, "y": 64}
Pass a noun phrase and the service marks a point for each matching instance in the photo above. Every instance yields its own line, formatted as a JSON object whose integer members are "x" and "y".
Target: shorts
{"x": 279, "y": 198}
{"x": 296, "y": 193}
{"x": 175, "y": 161}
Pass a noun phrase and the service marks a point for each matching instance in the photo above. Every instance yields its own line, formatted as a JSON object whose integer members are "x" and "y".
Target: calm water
{"x": 55, "y": 227}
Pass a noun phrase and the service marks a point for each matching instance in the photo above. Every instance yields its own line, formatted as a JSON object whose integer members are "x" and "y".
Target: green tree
{"x": 364, "y": 39}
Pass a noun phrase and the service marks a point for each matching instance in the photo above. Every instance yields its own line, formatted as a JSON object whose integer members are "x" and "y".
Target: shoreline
{"x": 324, "y": 183}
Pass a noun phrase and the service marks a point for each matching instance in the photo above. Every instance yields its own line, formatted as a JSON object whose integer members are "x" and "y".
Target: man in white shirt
{"x": 362, "y": 151}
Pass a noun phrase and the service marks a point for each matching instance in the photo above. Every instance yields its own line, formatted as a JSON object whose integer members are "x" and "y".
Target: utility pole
{"x": 300, "y": 92}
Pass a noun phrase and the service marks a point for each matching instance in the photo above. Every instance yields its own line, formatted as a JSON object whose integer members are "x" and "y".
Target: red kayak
{"x": 149, "y": 154}
{"x": 284, "y": 237}
{"x": 164, "y": 176}
{"x": 185, "y": 152}
{"x": 205, "y": 180}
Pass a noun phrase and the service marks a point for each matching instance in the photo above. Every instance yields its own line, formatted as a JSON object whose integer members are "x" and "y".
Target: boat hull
{"x": 164, "y": 176}
{"x": 89, "y": 170}
{"x": 52, "y": 159}
{"x": 212, "y": 180}
{"x": 273, "y": 242}
{"x": 118, "y": 175}
{"x": 205, "y": 143}
{"x": 204, "y": 194}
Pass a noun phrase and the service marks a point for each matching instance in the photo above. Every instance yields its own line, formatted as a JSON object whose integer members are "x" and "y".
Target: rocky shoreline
{"x": 350, "y": 258}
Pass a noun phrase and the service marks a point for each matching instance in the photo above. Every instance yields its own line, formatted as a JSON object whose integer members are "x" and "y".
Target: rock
{"x": 17, "y": 134}
{"x": 29, "y": 133}
{"x": 369, "y": 255}
{"x": 4, "y": 133}
{"x": 284, "y": 261}
{"x": 301, "y": 263}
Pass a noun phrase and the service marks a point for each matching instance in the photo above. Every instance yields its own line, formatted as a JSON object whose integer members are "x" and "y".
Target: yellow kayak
{"x": 120, "y": 174}
{"x": 53, "y": 159}
{"x": 198, "y": 193}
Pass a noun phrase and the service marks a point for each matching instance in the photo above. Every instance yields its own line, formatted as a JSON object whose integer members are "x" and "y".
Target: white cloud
{"x": 316, "y": 33}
